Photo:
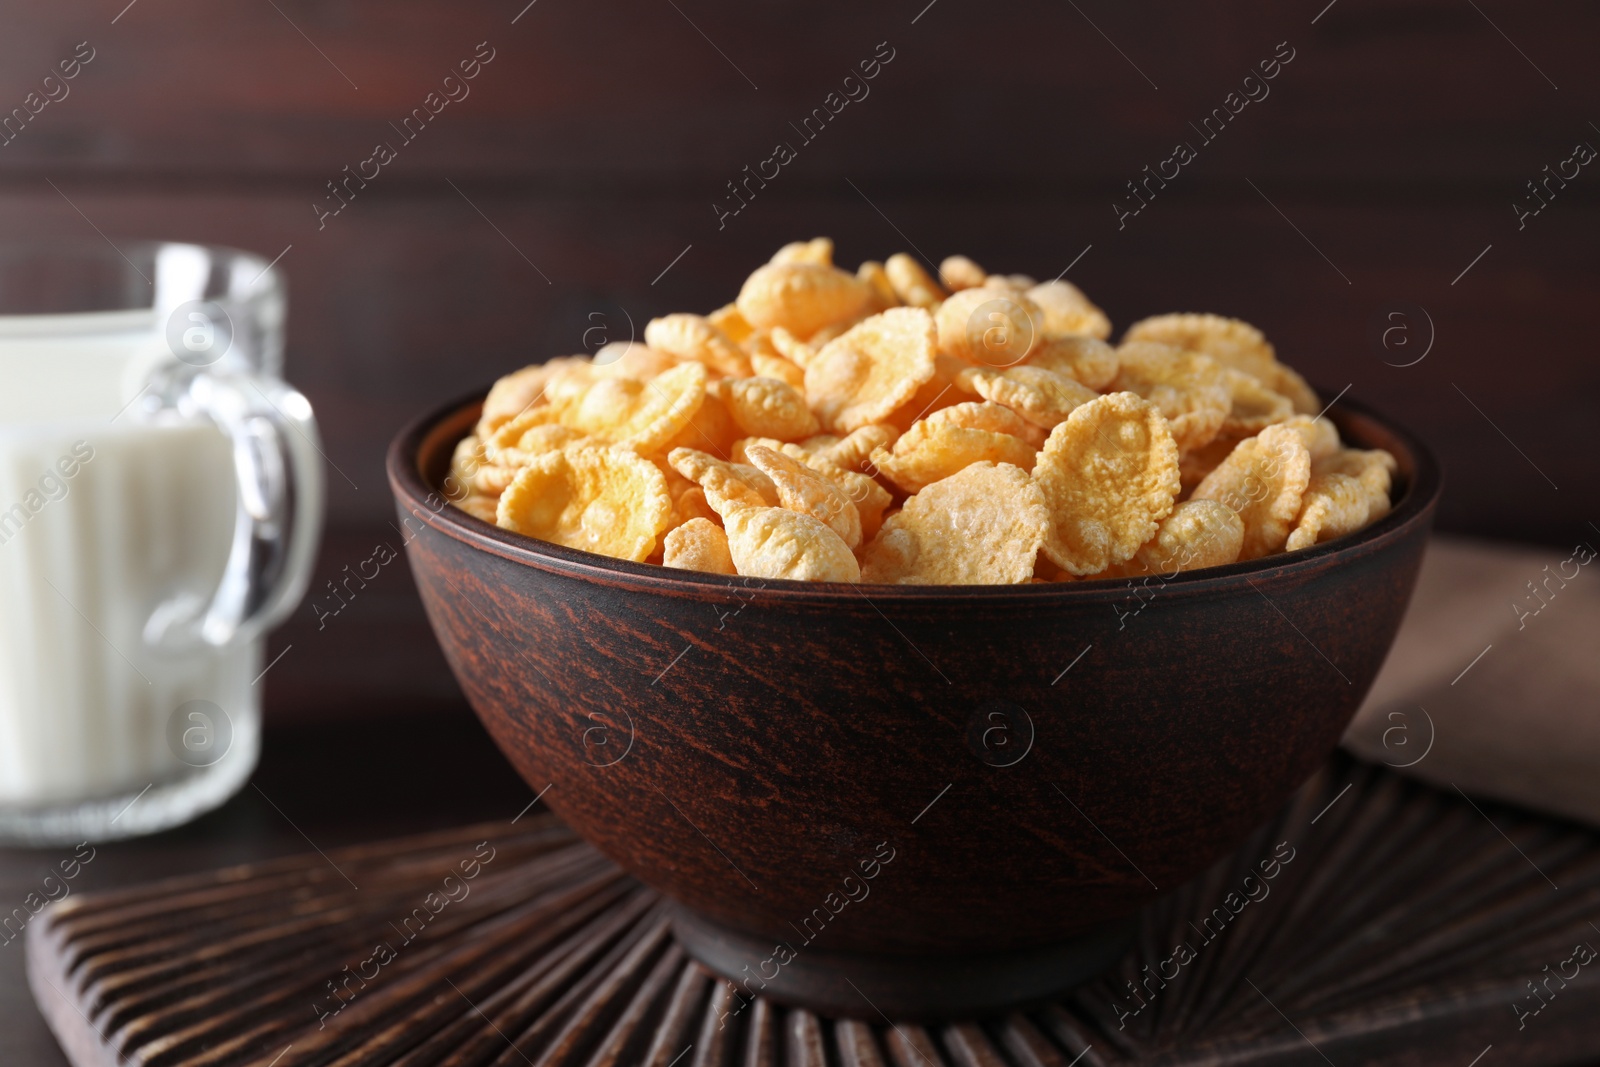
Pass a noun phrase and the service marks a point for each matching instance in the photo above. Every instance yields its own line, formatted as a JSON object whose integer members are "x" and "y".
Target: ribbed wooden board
{"x": 1402, "y": 931}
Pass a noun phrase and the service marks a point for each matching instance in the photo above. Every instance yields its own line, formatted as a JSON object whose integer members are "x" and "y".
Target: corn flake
{"x": 801, "y": 297}
{"x": 1068, "y": 313}
{"x": 981, "y": 526}
{"x": 802, "y": 489}
{"x": 1231, "y": 342}
{"x": 698, "y": 545}
{"x": 1263, "y": 481}
{"x": 725, "y": 484}
{"x": 734, "y": 326}
{"x": 767, "y": 542}
{"x": 1373, "y": 468}
{"x": 640, "y": 415}
{"x": 1087, "y": 360}
{"x": 876, "y": 366}
{"x": 817, "y": 251}
{"x": 519, "y": 391}
{"x": 1187, "y": 388}
{"x": 953, "y": 438}
{"x": 1198, "y": 533}
{"x": 989, "y": 327}
{"x": 693, "y": 337}
{"x": 605, "y": 500}
{"x": 1333, "y": 505}
{"x": 1044, "y": 398}
{"x": 958, "y": 272}
{"x": 767, "y": 407}
{"x": 1109, "y": 476}
{"x": 875, "y": 278}
{"x": 1252, "y": 407}
{"x": 912, "y": 285}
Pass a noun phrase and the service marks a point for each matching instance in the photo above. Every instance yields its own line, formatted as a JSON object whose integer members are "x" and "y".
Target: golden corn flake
{"x": 1109, "y": 476}
{"x": 779, "y": 543}
{"x": 630, "y": 359}
{"x": 567, "y": 385}
{"x": 1320, "y": 436}
{"x": 767, "y": 407}
{"x": 734, "y": 326}
{"x": 1198, "y": 533}
{"x": 958, "y": 272}
{"x": 691, "y": 504}
{"x": 640, "y": 415}
{"x": 465, "y": 462}
{"x": 726, "y": 484}
{"x": 988, "y": 327}
{"x": 1333, "y": 505}
{"x": 773, "y": 365}
{"x": 791, "y": 347}
{"x": 1068, "y": 313}
{"x": 480, "y": 506}
{"x": 1231, "y": 342}
{"x": 1186, "y": 387}
{"x": 937, "y": 392}
{"x": 1194, "y": 466}
{"x": 605, "y": 500}
{"x": 898, "y": 415}
{"x": 855, "y": 447}
{"x": 801, "y": 297}
{"x": 1087, "y": 360}
{"x": 519, "y": 391}
{"x": 698, "y": 545}
{"x": 503, "y": 447}
{"x": 537, "y": 440}
{"x": 802, "y": 489}
{"x": 872, "y": 274}
{"x": 989, "y": 417}
{"x": 1373, "y": 468}
{"x": 954, "y": 438}
{"x": 692, "y": 337}
{"x": 870, "y": 498}
{"x": 1016, "y": 283}
{"x": 710, "y": 429}
{"x": 1252, "y": 406}
{"x": 1287, "y": 380}
{"x": 912, "y": 285}
{"x": 1042, "y": 397}
{"x": 872, "y": 369}
{"x": 981, "y": 526}
{"x": 1263, "y": 481}
{"x": 818, "y": 251}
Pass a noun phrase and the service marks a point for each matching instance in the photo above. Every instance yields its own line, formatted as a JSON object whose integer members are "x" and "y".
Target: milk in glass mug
{"x": 160, "y": 499}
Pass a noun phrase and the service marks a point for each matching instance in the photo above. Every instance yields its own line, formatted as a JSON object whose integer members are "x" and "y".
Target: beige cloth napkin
{"x": 1493, "y": 685}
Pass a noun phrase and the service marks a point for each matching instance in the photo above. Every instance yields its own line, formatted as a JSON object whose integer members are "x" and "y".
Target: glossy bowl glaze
{"x": 835, "y": 776}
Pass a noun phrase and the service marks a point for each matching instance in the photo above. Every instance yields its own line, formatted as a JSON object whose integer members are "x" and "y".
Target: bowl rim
{"x": 1424, "y": 483}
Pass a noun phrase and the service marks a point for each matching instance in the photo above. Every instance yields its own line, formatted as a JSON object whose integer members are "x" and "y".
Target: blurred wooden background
{"x": 593, "y": 145}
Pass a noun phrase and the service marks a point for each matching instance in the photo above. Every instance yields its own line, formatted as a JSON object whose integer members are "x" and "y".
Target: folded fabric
{"x": 1493, "y": 685}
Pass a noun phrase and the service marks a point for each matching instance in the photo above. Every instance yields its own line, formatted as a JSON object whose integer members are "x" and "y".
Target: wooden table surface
{"x": 339, "y": 783}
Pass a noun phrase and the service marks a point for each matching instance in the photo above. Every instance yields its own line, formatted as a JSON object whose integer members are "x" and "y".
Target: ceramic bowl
{"x": 949, "y": 797}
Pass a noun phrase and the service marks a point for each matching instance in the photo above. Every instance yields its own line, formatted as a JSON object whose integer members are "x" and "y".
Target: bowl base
{"x": 920, "y": 987}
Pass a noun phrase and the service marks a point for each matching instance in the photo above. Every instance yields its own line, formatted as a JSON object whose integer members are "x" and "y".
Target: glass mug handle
{"x": 278, "y": 467}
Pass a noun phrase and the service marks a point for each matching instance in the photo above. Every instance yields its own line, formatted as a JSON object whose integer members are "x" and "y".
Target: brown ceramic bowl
{"x": 953, "y": 797}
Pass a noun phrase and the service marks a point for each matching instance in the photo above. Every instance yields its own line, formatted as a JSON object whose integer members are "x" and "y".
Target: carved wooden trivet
{"x": 1376, "y": 921}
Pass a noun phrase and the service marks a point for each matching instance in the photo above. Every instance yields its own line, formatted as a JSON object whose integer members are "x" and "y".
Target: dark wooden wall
{"x": 593, "y": 146}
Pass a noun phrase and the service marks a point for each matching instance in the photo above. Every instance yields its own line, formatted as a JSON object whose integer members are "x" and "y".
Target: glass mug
{"x": 160, "y": 501}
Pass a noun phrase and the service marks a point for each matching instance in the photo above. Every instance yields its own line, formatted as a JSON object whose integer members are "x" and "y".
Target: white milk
{"x": 102, "y": 518}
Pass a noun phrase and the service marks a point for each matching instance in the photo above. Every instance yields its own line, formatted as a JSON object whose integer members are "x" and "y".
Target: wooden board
{"x": 1391, "y": 924}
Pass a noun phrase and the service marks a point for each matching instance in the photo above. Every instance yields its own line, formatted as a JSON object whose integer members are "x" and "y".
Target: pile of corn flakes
{"x": 890, "y": 426}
